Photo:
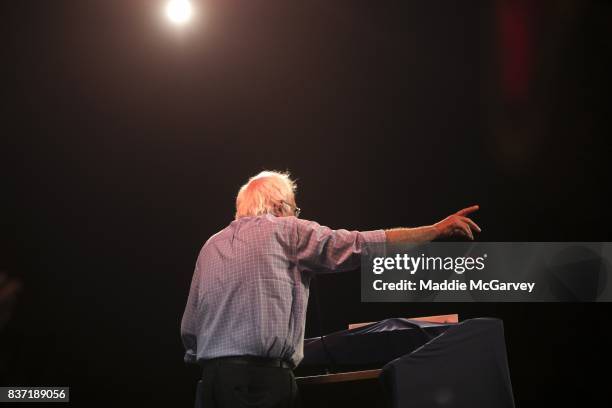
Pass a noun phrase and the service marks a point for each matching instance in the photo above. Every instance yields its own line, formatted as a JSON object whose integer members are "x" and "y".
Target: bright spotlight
{"x": 179, "y": 11}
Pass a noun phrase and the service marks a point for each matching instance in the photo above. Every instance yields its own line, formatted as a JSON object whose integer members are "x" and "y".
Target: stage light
{"x": 179, "y": 11}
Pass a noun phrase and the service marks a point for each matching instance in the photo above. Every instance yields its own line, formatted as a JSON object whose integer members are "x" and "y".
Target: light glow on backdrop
{"x": 179, "y": 12}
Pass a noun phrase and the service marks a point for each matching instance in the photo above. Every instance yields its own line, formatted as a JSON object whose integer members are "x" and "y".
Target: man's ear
{"x": 278, "y": 210}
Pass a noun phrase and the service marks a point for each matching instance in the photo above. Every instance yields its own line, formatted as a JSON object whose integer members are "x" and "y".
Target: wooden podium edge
{"x": 448, "y": 318}
{"x": 338, "y": 377}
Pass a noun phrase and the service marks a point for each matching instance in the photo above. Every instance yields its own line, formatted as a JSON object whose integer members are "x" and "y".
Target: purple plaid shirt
{"x": 249, "y": 290}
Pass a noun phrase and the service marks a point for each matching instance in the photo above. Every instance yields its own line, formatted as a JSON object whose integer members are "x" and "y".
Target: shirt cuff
{"x": 376, "y": 236}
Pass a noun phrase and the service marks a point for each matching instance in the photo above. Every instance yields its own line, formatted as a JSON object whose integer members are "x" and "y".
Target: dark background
{"x": 124, "y": 141}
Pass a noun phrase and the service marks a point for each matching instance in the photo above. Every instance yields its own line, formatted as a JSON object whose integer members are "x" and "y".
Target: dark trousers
{"x": 226, "y": 384}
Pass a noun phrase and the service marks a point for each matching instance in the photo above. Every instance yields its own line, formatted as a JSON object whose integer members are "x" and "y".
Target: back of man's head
{"x": 269, "y": 192}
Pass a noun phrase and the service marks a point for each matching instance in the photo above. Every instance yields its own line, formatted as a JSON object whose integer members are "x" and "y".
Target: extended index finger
{"x": 468, "y": 210}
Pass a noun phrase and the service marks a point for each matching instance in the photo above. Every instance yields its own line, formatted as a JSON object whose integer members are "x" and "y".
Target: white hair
{"x": 265, "y": 193}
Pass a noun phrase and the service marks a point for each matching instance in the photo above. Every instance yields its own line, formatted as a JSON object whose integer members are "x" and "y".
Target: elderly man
{"x": 246, "y": 311}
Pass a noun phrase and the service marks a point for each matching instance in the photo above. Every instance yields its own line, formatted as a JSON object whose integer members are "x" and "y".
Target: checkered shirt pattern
{"x": 249, "y": 290}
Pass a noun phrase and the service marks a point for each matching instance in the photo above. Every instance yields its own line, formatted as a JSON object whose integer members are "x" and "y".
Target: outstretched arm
{"x": 320, "y": 249}
{"x": 457, "y": 224}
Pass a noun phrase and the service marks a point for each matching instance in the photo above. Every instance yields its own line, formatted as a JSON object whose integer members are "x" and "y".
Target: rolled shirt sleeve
{"x": 322, "y": 249}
